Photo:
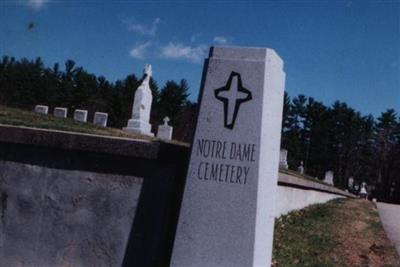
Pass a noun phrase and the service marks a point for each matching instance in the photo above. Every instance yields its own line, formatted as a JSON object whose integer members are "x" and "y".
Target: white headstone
{"x": 41, "y": 109}
{"x": 227, "y": 214}
{"x": 300, "y": 169}
{"x": 60, "y": 112}
{"x": 364, "y": 184}
{"x": 350, "y": 183}
{"x": 80, "y": 115}
{"x": 363, "y": 190}
{"x": 329, "y": 177}
{"x": 139, "y": 123}
{"x": 164, "y": 130}
{"x": 100, "y": 119}
{"x": 283, "y": 159}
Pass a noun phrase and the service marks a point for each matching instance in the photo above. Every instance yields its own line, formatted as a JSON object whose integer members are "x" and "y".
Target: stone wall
{"x": 55, "y": 217}
{"x": 71, "y": 199}
{"x": 295, "y": 193}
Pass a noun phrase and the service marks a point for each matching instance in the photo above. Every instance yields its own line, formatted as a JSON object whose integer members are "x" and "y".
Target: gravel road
{"x": 390, "y": 216}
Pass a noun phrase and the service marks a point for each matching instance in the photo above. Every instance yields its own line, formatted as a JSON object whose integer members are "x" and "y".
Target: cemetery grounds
{"x": 339, "y": 233}
{"x": 342, "y": 232}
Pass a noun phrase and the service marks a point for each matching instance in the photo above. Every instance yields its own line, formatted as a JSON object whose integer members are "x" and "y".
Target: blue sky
{"x": 333, "y": 50}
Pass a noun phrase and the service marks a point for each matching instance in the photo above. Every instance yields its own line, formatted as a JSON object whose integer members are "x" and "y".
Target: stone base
{"x": 284, "y": 166}
{"x": 139, "y": 127}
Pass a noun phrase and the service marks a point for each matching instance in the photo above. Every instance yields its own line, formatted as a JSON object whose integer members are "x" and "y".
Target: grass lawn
{"x": 343, "y": 232}
{"x": 18, "y": 117}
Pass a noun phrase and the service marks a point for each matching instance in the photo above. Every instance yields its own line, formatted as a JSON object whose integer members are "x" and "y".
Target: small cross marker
{"x": 166, "y": 120}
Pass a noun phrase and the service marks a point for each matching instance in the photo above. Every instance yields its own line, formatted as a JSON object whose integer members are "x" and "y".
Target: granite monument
{"x": 227, "y": 213}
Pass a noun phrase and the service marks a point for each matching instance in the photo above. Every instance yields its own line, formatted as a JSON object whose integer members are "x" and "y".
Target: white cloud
{"x": 220, "y": 40}
{"x": 139, "y": 50}
{"x": 144, "y": 29}
{"x": 35, "y": 4}
{"x": 180, "y": 51}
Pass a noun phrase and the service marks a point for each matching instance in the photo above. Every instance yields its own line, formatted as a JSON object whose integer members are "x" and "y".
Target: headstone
{"x": 100, "y": 119}
{"x": 329, "y": 177}
{"x": 60, "y": 112}
{"x": 350, "y": 183}
{"x": 363, "y": 191}
{"x": 392, "y": 188}
{"x": 80, "y": 115}
{"x": 300, "y": 169}
{"x": 41, "y": 109}
{"x": 227, "y": 213}
{"x": 364, "y": 184}
{"x": 139, "y": 123}
{"x": 356, "y": 187}
{"x": 164, "y": 130}
{"x": 283, "y": 159}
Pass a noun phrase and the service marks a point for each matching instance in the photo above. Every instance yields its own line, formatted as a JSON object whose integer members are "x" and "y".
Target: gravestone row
{"x": 99, "y": 119}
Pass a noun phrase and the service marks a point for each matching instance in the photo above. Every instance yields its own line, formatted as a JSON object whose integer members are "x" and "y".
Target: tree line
{"x": 340, "y": 139}
{"x": 335, "y": 137}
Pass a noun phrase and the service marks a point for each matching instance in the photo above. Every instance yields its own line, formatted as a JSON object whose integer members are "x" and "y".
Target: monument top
{"x": 147, "y": 70}
{"x": 245, "y": 53}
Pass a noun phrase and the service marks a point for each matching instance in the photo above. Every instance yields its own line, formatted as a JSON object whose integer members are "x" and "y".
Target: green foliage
{"x": 340, "y": 139}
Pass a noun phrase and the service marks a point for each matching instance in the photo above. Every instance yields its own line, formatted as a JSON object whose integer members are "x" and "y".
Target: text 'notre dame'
{"x": 234, "y": 170}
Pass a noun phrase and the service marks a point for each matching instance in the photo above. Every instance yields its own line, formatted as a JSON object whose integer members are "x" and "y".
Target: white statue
{"x": 139, "y": 123}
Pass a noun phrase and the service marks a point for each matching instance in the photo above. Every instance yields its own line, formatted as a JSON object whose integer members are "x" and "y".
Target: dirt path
{"x": 362, "y": 240}
{"x": 390, "y": 216}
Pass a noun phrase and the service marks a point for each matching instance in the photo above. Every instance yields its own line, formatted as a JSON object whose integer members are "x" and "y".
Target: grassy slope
{"x": 339, "y": 233}
{"x": 18, "y": 117}
{"x": 303, "y": 176}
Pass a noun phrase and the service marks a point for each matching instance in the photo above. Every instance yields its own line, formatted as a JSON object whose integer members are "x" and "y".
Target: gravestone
{"x": 60, "y": 112}
{"x": 80, "y": 115}
{"x": 300, "y": 169}
{"x": 363, "y": 190}
{"x": 227, "y": 213}
{"x": 100, "y": 119}
{"x": 350, "y": 183}
{"x": 41, "y": 109}
{"x": 329, "y": 177}
{"x": 356, "y": 187}
{"x": 139, "y": 123}
{"x": 283, "y": 159}
{"x": 164, "y": 130}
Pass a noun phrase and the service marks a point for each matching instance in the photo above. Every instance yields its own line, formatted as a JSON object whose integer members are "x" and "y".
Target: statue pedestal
{"x": 139, "y": 127}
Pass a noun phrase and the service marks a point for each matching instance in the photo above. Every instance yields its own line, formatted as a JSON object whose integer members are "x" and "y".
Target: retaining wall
{"x": 295, "y": 192}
